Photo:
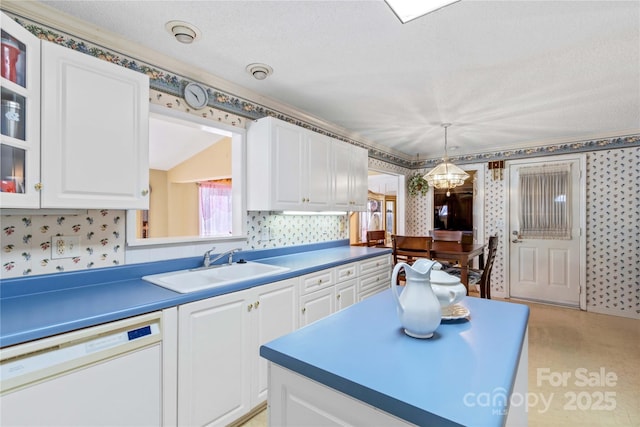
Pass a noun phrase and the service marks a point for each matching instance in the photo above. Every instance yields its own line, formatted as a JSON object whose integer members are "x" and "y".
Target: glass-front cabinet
{"x": 20, "y": 140}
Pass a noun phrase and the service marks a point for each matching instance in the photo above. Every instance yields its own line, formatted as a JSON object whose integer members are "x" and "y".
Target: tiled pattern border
{"x": 172, "y": 84}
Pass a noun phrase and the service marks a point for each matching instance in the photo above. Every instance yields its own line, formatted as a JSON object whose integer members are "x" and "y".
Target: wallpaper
{"x": 27, "y": 248}
{"x": 613, "y": 231}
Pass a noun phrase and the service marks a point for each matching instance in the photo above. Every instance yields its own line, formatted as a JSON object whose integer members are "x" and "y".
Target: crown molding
{"x": 47, "y": 16}
{"x": 238, "y": 100}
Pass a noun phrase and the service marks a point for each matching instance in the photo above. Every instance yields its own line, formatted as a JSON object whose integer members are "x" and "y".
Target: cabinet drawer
{"x": 380, "y": 279}
{"x": 346, "y": 272}
{"x": 374, "y": 264}
{"x": 313, "y": 281}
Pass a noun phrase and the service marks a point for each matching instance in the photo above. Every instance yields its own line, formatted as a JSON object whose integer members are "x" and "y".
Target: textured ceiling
{"x": 506, "y": 74}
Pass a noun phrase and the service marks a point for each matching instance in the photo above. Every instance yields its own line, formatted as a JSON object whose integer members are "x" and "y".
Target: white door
{"x": 546, "y": 216}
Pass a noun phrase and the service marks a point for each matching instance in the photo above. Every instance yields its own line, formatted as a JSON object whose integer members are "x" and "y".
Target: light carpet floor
{"x": 584, "y": 370}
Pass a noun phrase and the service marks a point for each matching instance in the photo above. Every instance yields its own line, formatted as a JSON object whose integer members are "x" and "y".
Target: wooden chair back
{"x": 376, "y": 238}
{"x": 485, "y": 279}
{"x": 450, "y": 240}
{"x": 447, "y": 235}
{"x": 409, "y": 248}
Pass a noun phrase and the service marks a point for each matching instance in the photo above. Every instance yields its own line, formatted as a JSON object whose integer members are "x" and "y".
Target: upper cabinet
{"x": 20, "y": 140}
{"x": 351, "y": 169}
{"x": 95, "y": 132}
{"x": 287, "y": 167}
{"x": 293, "y": 168}
{"x": 74, "y": 128}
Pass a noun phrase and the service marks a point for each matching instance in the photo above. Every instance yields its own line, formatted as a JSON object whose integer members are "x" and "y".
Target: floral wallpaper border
{"x": 173, "y": 84}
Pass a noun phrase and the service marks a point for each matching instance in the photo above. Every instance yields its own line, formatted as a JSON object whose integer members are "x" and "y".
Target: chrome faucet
{"x": 208, "y": 262}
{"x": 207, "y": 257}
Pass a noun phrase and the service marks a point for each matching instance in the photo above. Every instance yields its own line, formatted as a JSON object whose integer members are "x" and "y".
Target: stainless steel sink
{"x": 185, "y": 281}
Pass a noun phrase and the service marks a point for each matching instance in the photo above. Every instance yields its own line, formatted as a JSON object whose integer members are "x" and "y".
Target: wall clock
{"x": 196, "y": 95}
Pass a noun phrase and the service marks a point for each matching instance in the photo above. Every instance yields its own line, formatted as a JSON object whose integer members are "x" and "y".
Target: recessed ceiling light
{"x": 183, "y": 31}
{"x": 259, "y": 71}
{"x": 407, "y": 10}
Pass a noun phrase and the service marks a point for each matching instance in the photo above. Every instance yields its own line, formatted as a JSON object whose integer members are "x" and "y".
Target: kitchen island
{"x": 357, "y": 367}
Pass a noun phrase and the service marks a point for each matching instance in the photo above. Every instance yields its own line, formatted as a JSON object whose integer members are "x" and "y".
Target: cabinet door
{"x": 342, "y": 176}
{"x": 288, "y": 163}
{"x": 274, "y": 314}
{"x": 213, "y": 360}
{"x": 316, "y": 175}
{"x": 95, "y": 125}
{"x": 346, "y": 294}
{"x": 316, "y": 305}
{"x": 20, "y": 138}
{"x": 359, "y": 173}
{"x": 350, "y": 174}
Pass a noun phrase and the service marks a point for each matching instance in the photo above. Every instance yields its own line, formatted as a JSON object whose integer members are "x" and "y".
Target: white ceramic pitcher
{"x": 418, "y": 307}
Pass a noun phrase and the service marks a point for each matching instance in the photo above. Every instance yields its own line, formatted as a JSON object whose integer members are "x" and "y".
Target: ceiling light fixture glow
{"x": 446, "y": 175}
{"x": 408, "y": 10}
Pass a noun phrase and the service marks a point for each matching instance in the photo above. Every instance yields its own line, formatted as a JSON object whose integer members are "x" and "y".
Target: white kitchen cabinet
{"x": 288, "y": 167}
{"x": 274, "y": 315}
{"x": 346, "y": 294}
{"x": 374, "y": 275}
{"x": 326, "y": 291}
{"x": 221, "y": 376}
{"x": 350, "y": 172}
{"x": 316, "y": 305}
{"x": 317, "y": 296}
{"x": 76, "y": 134}
{"x": 94, "y": 128}
{"x": 346, "y": 289}
{"x": 20, "y": 137}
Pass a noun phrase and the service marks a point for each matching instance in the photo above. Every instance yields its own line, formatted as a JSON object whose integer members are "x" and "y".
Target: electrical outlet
{"x": 65, "y": 247}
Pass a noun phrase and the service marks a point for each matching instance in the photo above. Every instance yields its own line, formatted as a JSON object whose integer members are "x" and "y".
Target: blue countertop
{"x": 446, "y": 380}
{"x": 41, "y": 306}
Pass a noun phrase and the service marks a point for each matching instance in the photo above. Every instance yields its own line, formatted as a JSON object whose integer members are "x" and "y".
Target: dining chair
{"x": 447, "y": 235}
{"x": 408, "y": 249}
{"x": 482, "y": 278}
{"x": 376, "y": 238}
{"x": 452, "y": 237}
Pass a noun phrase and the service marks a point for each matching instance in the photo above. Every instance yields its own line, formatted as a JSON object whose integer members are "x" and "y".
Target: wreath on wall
{"x": 418, "y": 185}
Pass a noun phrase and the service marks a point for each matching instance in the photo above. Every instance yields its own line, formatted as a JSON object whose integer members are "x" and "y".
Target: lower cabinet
{"x": 374, "y": 276}
{"x": 316, "y": 305}
{"x": 221, "y": 376}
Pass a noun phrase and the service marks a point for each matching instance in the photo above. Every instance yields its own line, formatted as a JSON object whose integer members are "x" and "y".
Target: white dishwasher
{"x": 106, "y": 375}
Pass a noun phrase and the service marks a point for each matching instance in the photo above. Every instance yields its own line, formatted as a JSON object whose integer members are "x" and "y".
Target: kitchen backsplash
{"x": 613, "y": 230}
{"x": 27, "y": 249}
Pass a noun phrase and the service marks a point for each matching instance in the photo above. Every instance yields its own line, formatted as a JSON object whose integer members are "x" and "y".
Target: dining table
{"x": 461, "y": 253}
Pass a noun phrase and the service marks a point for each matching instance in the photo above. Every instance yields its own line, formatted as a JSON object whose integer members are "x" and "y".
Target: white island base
{"x": 295, "y": 400}
{"x": 357, "y": 368}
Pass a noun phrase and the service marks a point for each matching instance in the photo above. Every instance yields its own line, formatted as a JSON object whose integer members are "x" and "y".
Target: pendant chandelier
{"x": 446, "y": 175}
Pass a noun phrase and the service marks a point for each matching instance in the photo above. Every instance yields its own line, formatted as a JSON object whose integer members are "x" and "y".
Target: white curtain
{"x": 545, "y": 202}
{"x": 215, "y": 207}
